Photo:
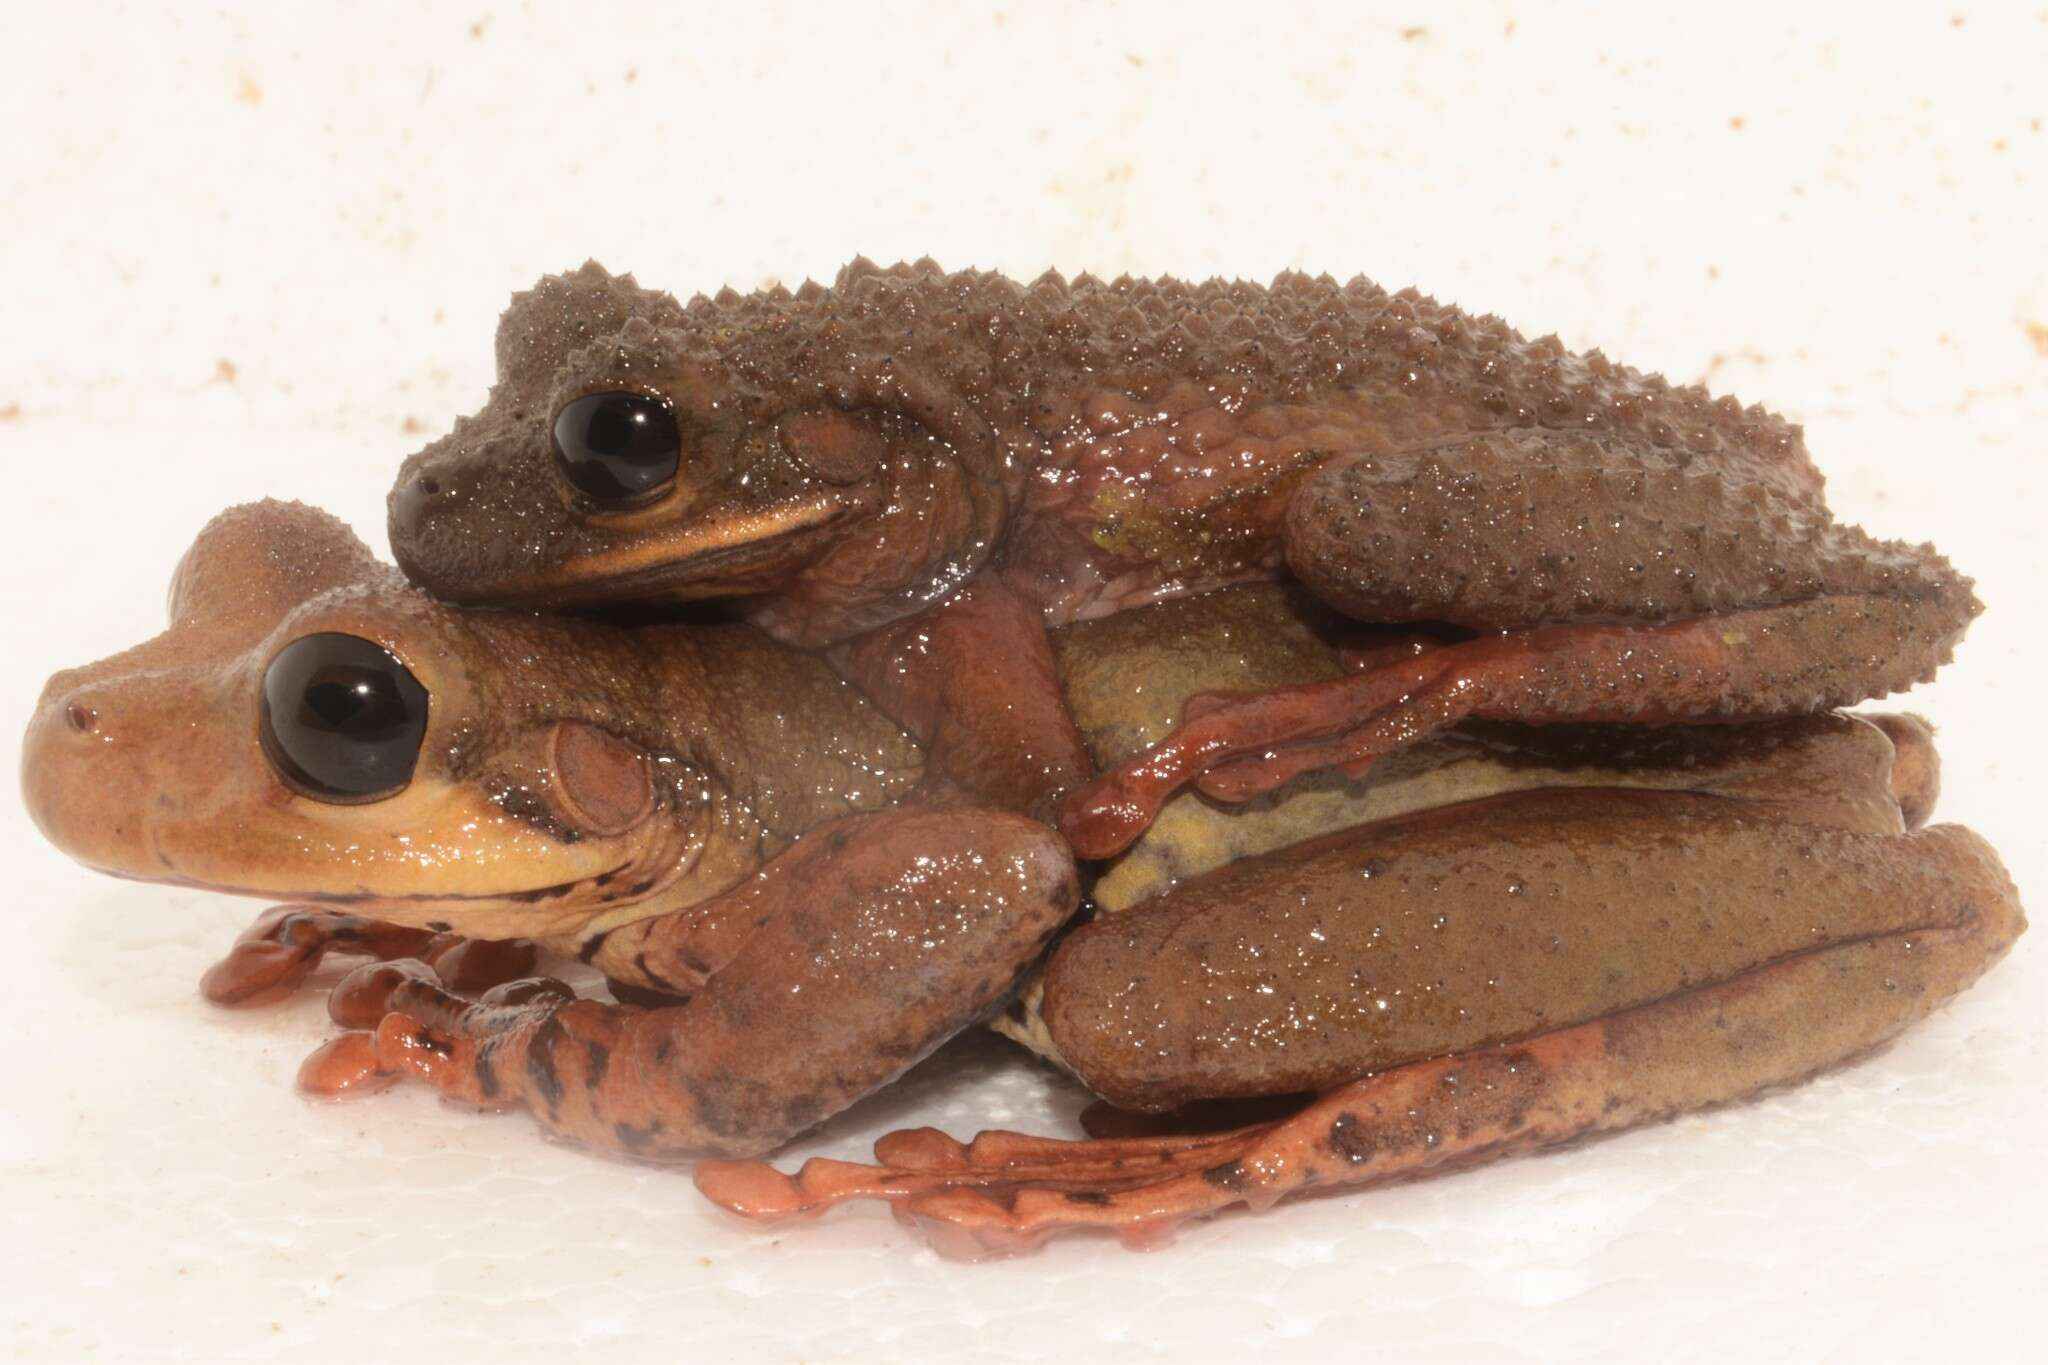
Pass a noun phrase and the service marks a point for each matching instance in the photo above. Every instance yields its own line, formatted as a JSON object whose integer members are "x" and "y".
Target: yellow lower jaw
{"x": 436, "y": 853}
{"x": 750, "y": 551}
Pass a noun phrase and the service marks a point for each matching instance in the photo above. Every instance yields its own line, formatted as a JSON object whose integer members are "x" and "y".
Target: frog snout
{"x": 62, "y": 692}
{"x": 450, "y": 525}
{"x": 414, "y": 501}
{"x": 414, "y": 493}
{"x": 71, "y": 712}
{"x": 96, "y": 759}
{"x": 424, "y": 523}
{"x": 58, "y": 756}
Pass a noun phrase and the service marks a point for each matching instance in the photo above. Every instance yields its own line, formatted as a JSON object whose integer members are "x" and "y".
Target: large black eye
{"x": 342, "y": 719}
{"x": 617, "y": 447}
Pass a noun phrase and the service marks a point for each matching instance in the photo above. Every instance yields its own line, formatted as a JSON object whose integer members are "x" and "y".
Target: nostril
{"x": 82, "y": 718}
{"x": 429, "y": 485}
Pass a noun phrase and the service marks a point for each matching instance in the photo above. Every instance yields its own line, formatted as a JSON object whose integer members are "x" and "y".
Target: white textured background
{"x": 246, "y": 251}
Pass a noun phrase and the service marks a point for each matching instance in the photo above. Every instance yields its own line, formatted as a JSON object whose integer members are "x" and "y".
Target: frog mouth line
{"x": 530, "y": 896}
{"x": 672, "y": 567}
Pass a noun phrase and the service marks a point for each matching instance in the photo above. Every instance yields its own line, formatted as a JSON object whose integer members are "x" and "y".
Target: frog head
{"x": 310, "y": 728}
{"x": 638, "y": 448}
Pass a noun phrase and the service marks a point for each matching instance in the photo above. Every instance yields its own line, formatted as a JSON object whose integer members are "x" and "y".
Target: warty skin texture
{"x": 1137, "y": 438}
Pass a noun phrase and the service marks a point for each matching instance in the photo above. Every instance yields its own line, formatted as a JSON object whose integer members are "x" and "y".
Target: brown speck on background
{"x": 1747, "y": 355}
{"x": 1736, "y": 122}
{"x": 224, "y": 370}
{"x": 476, "y": 30}
{"x": 1413, "y": 35}
{"x": 412, "y": 426}
{"x": 10, "y": 413}
{"x": 2036, "y": 333}
{"x": 247, "y": 91}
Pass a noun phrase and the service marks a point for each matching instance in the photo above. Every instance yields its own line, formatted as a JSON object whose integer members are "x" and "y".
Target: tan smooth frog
{"x": 1623, "y": 924}
{"x": 310, "y": 728}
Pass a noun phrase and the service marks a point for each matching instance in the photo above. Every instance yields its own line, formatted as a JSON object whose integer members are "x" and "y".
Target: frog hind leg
{"x": 848, "y": 958}
{"x": 287, "y": 943}
{"x": 1005, "y": 1193}
{"x": 1654, "y": 594}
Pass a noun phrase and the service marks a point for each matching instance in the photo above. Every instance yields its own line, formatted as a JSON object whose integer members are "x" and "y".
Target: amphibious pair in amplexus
{"x": 1417, "y": 743}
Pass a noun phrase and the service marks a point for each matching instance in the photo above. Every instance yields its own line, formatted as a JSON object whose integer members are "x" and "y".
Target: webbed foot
{"x": 287, "y": 943}
{"x": 428, "y": 1014}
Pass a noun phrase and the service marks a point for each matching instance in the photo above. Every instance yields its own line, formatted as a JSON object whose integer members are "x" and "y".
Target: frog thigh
{"x": 1471, "y": 926}
{"x": 1518, "y": 528}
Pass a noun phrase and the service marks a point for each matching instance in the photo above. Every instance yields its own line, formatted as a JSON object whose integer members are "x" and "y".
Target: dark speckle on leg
{"x": 1349, "y": 1140}
{"x": 540, "y": 1063}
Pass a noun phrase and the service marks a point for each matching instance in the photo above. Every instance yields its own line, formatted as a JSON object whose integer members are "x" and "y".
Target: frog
{"x": 720, "y": 825}
{"x": 1631, "y": 926}
{"x": 921, "y": 472}
{"x": 788, "y": 918}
